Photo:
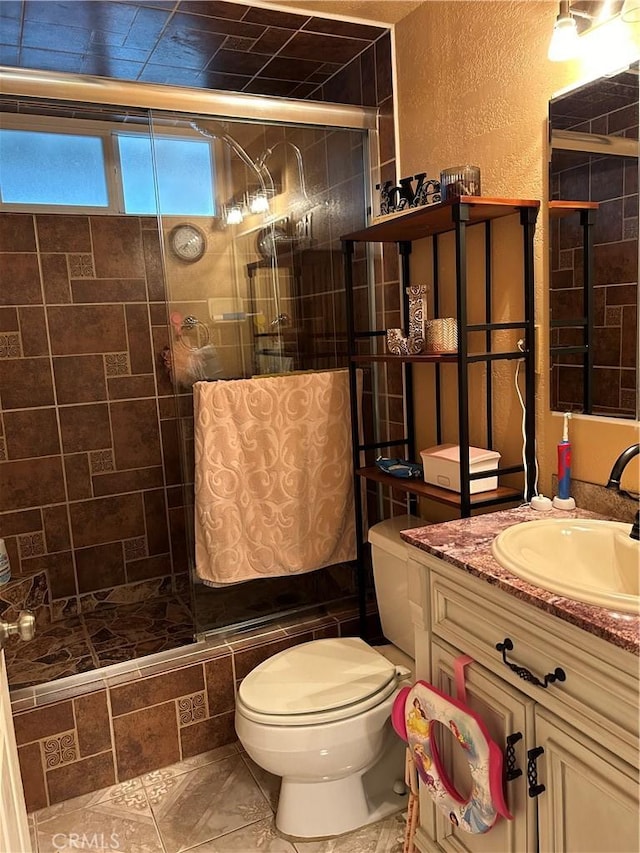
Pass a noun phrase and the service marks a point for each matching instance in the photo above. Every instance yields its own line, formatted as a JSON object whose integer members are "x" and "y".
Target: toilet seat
{"x": 317, "y": 682}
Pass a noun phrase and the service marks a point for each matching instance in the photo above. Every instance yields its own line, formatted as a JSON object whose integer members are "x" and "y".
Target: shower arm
{"x": 269, "y": 151}
{"x": 264, "y": 175}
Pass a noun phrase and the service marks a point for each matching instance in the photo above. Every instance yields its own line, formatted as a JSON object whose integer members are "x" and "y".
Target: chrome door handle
{"x": 24, "y": 626}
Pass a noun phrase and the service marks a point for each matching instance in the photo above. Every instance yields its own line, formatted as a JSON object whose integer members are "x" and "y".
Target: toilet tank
{"x": 389, "y": 557}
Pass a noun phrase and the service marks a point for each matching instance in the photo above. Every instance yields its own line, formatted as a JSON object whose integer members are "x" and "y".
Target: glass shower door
{"x": 265, "y": 294}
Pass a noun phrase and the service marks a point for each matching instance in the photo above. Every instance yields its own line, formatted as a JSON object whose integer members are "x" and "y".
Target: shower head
{"x": 262, "y": 160}
{"x": 220, "y": 131}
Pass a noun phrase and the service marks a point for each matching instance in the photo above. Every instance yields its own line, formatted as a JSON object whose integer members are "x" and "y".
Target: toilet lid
{"x": 322, "y": 675}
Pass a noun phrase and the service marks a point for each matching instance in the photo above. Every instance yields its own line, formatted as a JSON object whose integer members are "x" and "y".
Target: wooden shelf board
{"x": 431, "y": 219}
{"x": 560, "y": 209}
{"x": 436, "y": 358}
{"x": 426, "y": 490}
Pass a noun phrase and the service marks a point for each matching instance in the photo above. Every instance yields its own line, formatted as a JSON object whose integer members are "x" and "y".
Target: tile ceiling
{"x": 208, "y": 44}
{"x": 598, "y": 98}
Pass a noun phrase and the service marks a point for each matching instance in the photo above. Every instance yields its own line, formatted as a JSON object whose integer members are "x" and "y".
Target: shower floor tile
{"x": 134, "y": 624}
{"x": 57, "y": 650}
{"x": 218, "y": 608}
{"x": 112, "y": 634}
{"x": 118, "y": 654}
{"x": 220, "y": 802}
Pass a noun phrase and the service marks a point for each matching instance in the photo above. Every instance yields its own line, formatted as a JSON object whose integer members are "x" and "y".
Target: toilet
{"x": 318, "y": 714}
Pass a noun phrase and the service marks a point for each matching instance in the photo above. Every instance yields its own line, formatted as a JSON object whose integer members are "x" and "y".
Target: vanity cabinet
{"x": 591, "y": 797}
{"x": 585, "y": 729}
{"x": 506, "y": 712}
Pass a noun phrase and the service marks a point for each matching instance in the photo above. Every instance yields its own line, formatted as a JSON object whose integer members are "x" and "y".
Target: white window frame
{"x": 107, "y": 131}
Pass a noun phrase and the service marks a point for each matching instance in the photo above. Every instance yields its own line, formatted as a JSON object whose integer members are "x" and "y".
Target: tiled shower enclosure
{"x": 97, "y": 432}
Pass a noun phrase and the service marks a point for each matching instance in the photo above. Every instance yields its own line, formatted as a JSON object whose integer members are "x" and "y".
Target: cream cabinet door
{"x": 14, "y": 832}
{"x": 505, "y": 712}
{"x": 590, "y": 803}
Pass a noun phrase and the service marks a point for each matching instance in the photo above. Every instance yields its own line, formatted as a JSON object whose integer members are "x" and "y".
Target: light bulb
{"x": 234, "y": 215}
{"x": 259, "y": 203}
{"x": 605, "y": 11}
{"x": 564, "y": 41}
{"x": 630, "y": 13}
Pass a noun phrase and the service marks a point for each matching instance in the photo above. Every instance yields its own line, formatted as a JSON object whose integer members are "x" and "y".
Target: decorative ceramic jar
{"x": 441, "y": 335}
{"x": 459, "y": 181}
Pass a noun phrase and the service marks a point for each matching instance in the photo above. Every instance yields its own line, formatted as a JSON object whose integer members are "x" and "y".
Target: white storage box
{"x": 442, "y": 467}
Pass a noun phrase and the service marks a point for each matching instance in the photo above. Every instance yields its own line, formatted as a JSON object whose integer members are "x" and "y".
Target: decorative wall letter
{"x": 404, "y": 196}
{"x": 397, "y": 344}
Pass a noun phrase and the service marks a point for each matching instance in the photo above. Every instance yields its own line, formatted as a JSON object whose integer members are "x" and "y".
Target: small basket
{"x": 441, "y": 335}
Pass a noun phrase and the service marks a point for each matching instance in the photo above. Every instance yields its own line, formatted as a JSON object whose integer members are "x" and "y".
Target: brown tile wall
{"x": 84, "y": 433}
{"x": 105, "y": 275}
{"x": 376, "y": 81}
{"x": 613, "y": 182}
{"x": 368, "y": 80}
{"x": 154, "y": 716}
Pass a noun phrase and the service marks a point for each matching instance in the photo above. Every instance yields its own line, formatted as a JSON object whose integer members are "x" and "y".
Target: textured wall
{"x": 383, "y": 11}
{"x": 473, "y": 85}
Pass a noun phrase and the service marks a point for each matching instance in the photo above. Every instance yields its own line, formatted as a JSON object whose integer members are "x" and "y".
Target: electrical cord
{"x": 527, "y": 497}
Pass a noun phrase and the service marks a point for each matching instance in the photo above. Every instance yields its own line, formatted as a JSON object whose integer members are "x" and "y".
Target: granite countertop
{"x": 466, "y": 543}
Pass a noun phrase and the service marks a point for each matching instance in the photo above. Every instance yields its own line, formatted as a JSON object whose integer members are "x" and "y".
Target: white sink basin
{"x": 587, "y": 560}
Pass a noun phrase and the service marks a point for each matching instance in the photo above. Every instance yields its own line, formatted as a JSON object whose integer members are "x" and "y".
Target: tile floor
{"x": 216, "y": 802}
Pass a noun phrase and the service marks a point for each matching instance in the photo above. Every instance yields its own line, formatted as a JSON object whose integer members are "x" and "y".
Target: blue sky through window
{"x": 52, "y": 168}
{"x": 57, "y": 169}
{"x": 184, "y": 172}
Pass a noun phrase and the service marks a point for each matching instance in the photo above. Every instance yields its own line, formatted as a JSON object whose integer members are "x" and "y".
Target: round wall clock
{"x": 267, "y": 240}
{"x": 187, "y": 242}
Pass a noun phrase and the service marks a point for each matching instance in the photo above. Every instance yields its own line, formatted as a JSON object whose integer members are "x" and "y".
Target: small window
{"x": 52, "y": 168}
{"x": 184, "y": 175}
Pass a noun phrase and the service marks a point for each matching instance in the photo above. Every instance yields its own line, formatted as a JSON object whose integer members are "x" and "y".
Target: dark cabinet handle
{"x": 557, "y": 675}
{"x": 513, "y": 772}
{"x": 535, "y": 789}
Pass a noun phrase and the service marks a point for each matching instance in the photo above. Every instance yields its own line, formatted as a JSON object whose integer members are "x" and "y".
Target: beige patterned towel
{"x": 274, "y": 476}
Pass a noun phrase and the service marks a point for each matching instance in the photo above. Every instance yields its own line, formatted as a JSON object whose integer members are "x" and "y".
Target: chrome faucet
{"x": 280, "y": 320}
{"x": 614, "y": 482}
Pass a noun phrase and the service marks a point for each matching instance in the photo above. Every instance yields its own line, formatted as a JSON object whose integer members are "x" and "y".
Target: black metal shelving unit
{"x": 587, "y": 212}
{"x": 403, "y": 229}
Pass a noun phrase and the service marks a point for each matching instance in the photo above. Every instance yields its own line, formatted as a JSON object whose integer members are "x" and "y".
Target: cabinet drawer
{"x": 600, "y": 693}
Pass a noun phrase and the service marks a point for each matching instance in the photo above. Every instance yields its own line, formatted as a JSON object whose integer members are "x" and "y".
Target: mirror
{"x": 594, "y": 247}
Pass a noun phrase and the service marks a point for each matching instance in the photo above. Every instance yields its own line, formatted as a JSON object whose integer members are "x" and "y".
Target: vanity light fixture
{"x": 258, "y": 202}
{"x": 234, "y": 211}
{"x": 233, "y": 214}
{"x": 606, "y": 11}
{"x": 564, "y": 41}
